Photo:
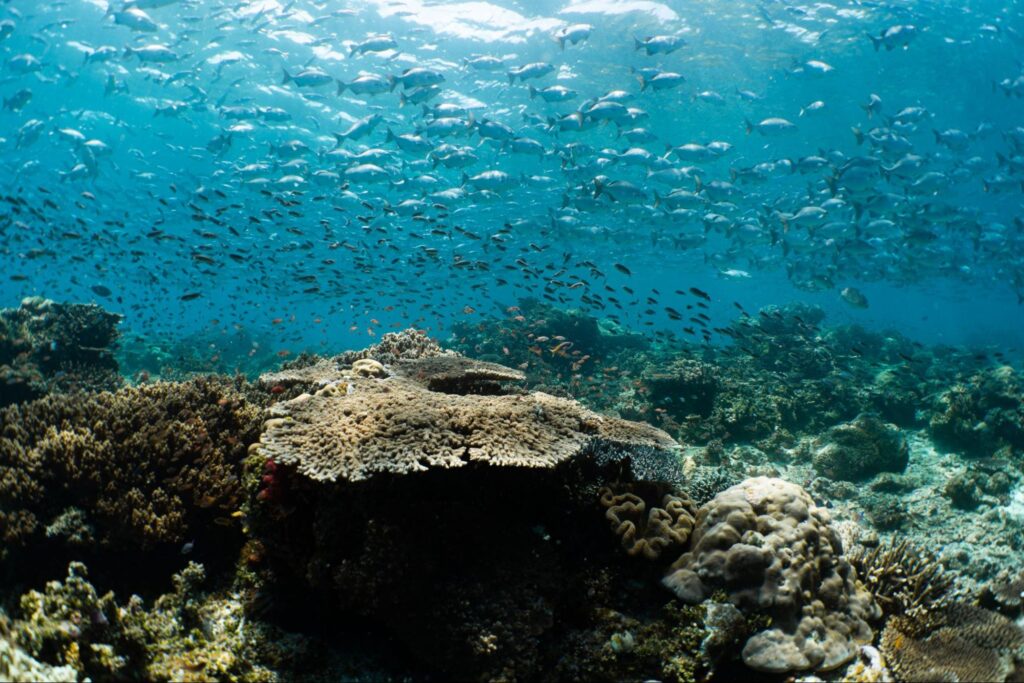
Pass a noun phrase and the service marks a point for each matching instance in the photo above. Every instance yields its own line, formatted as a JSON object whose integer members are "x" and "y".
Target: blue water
{"x": 338, "y": 269}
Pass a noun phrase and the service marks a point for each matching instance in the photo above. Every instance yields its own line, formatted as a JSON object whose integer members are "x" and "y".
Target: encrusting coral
{"x": 130, "y": 469}
{"x": 770, "y": 548}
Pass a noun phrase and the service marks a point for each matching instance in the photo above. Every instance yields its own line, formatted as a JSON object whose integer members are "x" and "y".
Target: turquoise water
{"x": 159, "y": 182}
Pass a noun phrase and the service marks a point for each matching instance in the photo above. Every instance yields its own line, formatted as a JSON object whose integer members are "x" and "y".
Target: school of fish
{"x": 389, "y": 163}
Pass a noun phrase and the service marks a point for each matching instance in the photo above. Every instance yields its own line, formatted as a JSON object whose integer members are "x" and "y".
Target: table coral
{"x": 359, "y": 427}
{"x": 959, "y": 643}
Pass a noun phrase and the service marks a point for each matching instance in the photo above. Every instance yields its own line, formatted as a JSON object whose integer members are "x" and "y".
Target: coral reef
{"x": 982, "y": 414}
{"x": 50, "y": 347}
{"x": 69, "y": 631}
{"x": 385, "y": 506}
{"x": 771, "y": 548}
{"x": 861, "y": 448}
{"x": 456, "y": 511}
{"x": 138, "y": 468}
{"x": 683, "y": 388}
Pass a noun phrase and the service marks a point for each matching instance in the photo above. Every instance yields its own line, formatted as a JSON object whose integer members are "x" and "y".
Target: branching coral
{"x": 187, "y": 635}
{"x": 394, "y": 346}
{"x": 903, "y": 579}
{"x": 142, "y": 464}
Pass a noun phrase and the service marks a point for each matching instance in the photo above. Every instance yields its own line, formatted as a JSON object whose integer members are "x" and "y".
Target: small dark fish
{"x": 702, "y": 294}
{"x": 190, "y": 296}
{"x": 622, "y": 269}
{"x": 100, "y": 290}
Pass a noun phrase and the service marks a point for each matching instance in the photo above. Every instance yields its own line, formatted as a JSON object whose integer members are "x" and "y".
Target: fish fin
{"x": 533, "y": 92}
{"x": 858, "y": 134}
{"x": 341, "y": 86}
{"x": 749, "y": 126}
{"x": 875, "y": 41}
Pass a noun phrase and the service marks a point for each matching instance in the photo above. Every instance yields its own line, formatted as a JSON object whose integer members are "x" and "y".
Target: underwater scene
{"x": 496, "y": 340}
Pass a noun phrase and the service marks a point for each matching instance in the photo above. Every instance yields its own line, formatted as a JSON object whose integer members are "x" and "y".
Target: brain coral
{"x": 652, "y": 533}
{"x": 770, "y": 548}
{"x": 355, "y": 428}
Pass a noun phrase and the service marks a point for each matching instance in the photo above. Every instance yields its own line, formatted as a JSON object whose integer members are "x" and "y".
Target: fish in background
{"x": 327, "y": 158}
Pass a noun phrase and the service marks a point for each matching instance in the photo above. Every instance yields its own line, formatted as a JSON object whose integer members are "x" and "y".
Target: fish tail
{"x": 637, "y": 43}
{"x": 877, "y": 42}
{"x": 341, "y": 86}
{"x": 858, "y": 134}
{"x": 511, "y": 78}
{"x": 287, "y": 77}
{"x": 392, "y": 81}
{"x": 833, "y": 184}
{"x": 533, "y": 92}
{"x": 598, "y": 187}
{"x": 749, "y": 126}
{"x": 390, "y": 136}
